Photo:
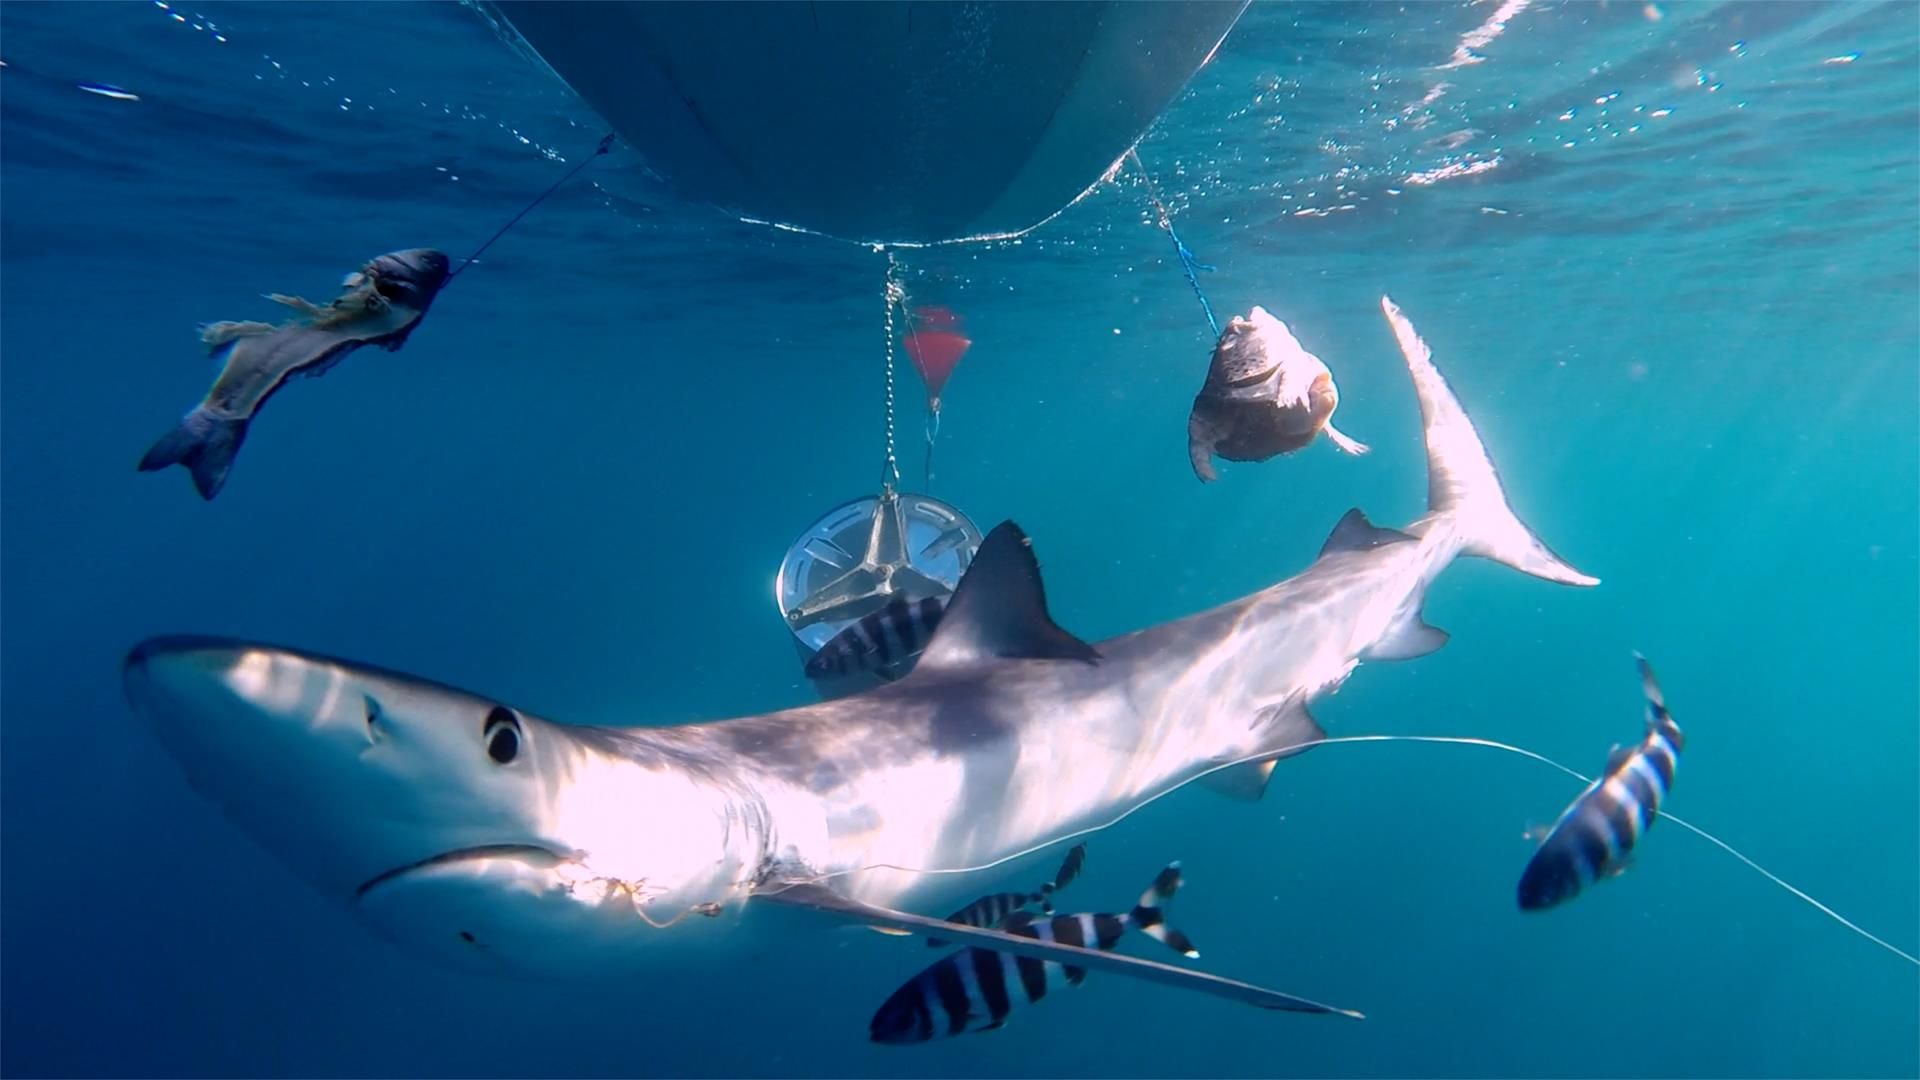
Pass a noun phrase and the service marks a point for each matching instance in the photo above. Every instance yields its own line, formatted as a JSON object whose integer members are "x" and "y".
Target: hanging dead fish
{"x": 994, "y": 908}
{"x": 974, "y": 989}
{"x": 884, "y": 642}
{"x": 1265, "y": 395}
{"x": 1595, "y": 836}
{"x": 382, "y": 304}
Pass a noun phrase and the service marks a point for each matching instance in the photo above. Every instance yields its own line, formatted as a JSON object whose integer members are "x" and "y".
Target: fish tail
{"x": 1149, "y": 916}
{"x": 1461, "y": 482}
{"x": 205, "y": 442}
{"x": 1658, "y": 718}
{"x": 1069, "y": 869}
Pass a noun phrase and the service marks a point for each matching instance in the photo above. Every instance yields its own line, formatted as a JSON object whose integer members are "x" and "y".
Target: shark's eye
{"x": 502, "y": 735}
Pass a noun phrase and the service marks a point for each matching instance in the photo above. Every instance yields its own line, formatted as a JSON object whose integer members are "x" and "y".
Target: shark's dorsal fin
{"x": 1000, "y": 611}
{"x": 820, "y": 898}
{"x": 1355, "y": 533}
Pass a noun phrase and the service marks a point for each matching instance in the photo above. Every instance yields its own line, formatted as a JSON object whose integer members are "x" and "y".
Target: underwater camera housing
{"x": 856, "y": 559}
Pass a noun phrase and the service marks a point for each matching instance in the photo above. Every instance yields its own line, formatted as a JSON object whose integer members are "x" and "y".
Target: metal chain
{"x": 893, "y": 295}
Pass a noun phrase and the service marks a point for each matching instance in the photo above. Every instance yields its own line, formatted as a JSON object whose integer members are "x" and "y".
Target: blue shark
{"x": 480, "y": 833}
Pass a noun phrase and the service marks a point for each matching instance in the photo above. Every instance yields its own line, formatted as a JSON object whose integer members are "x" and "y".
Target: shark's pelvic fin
{"x": 1460, "y": 478}
{"x": 1288, "y": 728}
{"x": 1408, "y": 639}
{"x": 1355, "y": 533}
{"x": 820, "y": 898}
{"x": 1000, "y": 611}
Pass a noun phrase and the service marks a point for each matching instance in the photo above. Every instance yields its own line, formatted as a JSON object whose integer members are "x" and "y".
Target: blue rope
{"x": 1188, "y": 264}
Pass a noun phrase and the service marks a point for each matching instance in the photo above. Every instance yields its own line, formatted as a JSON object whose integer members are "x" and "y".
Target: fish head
{"x": 449, "y": 822}
{"x": 1552, "y": 876}
{"x": 902, "y": 1018}
{"x": 1240, "y": 363}
{"x": 1258, "y": 359}
{"x": 412, "y": 277}
{"x": 1284, "y": 351}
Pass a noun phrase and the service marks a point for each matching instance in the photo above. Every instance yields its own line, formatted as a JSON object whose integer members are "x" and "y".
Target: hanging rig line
{"x": 1188, "y": 264}
{"x": 933, "y": 432}
{"x": 606, "y": 144}
{"x": 892, "y": 296}
{"x": 896, "y": 297}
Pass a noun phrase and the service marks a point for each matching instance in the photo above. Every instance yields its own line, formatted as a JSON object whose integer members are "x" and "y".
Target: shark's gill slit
{"x": 1454, "y": 740}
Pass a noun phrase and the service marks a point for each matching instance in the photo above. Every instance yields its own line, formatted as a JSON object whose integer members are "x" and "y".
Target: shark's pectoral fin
{"x": 1355, "y": 533}
{"x": 823, "y": 899}
{"x": 1000, "y": 610}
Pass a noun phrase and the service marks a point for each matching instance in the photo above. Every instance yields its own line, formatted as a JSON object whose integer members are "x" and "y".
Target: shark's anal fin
{"x": 819, "y": 898}
{"x": 1354, "y": 532}
{"x": 1000, "y": 610}
{"x": 1245, "y": 782}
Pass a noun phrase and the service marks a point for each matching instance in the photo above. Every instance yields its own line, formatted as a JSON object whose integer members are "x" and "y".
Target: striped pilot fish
{"x": 994, "y": 908}
{"x": 884, "y": 642}
{"x": 381, "y": 304}
{"x": 975, "y": 989}
{"x": 1595, "y": 836}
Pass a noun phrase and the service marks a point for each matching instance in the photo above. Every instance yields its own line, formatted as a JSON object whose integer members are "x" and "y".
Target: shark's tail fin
{"x": 1460, "y": 478}
{"x": 205, "y": 442}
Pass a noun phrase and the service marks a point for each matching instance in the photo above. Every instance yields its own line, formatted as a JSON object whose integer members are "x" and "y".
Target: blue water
{"x": 1690, "y": 341}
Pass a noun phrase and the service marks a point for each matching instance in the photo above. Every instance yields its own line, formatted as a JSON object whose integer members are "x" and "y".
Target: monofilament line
{"x": 1456, "y": 740}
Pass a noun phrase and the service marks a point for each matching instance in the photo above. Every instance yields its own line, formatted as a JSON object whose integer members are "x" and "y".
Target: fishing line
{"x": 1456, "y": 740}
{"x": 606, "y": 144}
{"x": 1188, "y": 264}
{"x": 897, "y": 297}
{"x": 933, "y": 432}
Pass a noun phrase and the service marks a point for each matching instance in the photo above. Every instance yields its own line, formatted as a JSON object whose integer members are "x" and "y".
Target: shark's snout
{"x": 445, "y": 819}
{"x": 167, "y": 678}
{"x": 219, "y": 697}
{"x": 351, "y": 773}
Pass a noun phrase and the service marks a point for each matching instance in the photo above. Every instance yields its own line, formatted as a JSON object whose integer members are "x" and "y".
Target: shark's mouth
{"x": 527, "y": 853}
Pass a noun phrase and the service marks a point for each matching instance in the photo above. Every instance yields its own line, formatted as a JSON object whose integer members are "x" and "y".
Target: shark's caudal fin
{"x": 1460, "y": 477}
{"x": 205, "y": 442}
